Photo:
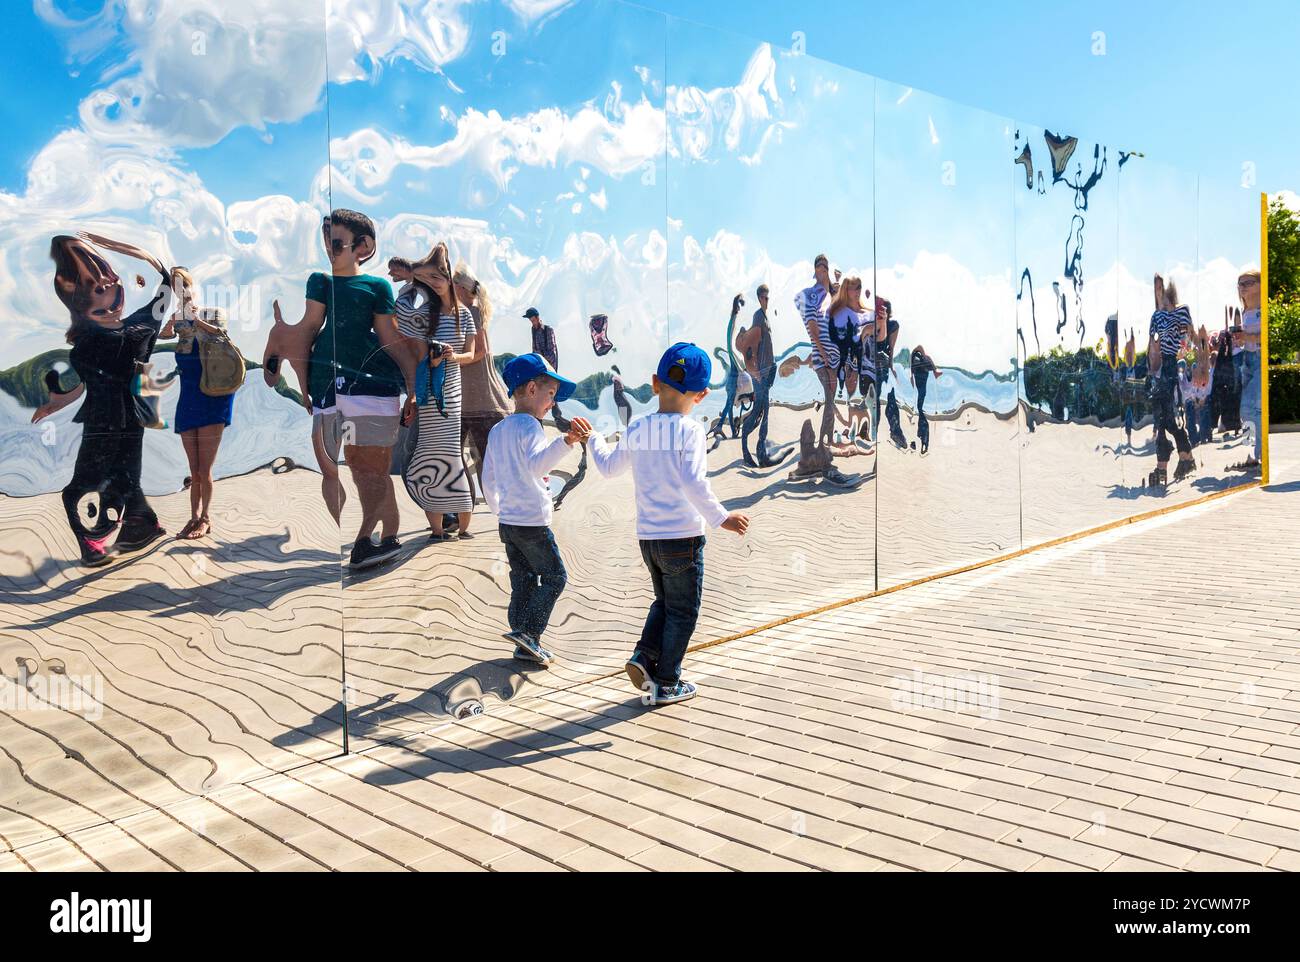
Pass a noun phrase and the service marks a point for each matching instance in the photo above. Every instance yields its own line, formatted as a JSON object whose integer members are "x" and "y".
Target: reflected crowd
{"x": 403, "y": 384}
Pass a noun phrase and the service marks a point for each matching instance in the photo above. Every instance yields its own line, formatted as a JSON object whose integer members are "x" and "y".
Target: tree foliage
{"x": 1283, "y": 253}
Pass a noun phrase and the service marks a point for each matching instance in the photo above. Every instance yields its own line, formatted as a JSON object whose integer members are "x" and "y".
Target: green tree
{"x": 1283, "y": 330}
{"x": 1283, "y": 253}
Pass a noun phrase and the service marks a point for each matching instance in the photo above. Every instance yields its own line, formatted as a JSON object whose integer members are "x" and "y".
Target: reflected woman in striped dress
{"x": 435, "y": 475}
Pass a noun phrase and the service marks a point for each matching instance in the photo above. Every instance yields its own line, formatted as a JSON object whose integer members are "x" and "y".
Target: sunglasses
{"x": 338, "y": 247}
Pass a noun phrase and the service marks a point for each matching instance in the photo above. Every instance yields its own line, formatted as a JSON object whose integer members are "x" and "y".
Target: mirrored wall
{"x": 935, "y": 336}
{"x": 170, "y": 605}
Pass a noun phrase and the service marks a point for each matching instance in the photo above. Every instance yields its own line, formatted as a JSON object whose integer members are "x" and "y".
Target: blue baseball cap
{"x": 524, "y": 368}
{"x": 685, "y": 367}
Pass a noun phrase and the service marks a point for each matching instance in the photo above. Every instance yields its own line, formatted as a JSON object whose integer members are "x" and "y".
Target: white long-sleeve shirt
{"x": 518, "y": 457}
{"x": 669, "y": 463}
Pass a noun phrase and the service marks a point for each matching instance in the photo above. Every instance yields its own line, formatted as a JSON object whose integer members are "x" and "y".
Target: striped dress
{"x": 435, "y": 475}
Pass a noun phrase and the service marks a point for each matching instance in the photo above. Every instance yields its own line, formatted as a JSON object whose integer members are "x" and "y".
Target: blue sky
{"x": 1214, "y": 100}
{"x": 1205, "y": 85}
{"x": 530, "y": 134}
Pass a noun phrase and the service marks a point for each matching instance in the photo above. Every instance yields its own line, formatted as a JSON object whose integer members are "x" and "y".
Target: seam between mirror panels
{"x": 875, "y": 286}
{"x": 1022, "y": 411}
{"x": 338, "y": 538}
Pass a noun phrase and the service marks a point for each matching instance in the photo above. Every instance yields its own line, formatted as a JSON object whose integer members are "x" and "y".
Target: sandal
{"x": 187, "y": 533}
{"x": 202, "y": 527}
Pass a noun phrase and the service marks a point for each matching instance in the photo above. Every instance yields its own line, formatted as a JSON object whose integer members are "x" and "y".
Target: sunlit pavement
{"x": 1128, "y": 701}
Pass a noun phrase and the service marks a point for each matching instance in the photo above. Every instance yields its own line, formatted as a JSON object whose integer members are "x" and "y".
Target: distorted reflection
{"x": 434, "y": 472}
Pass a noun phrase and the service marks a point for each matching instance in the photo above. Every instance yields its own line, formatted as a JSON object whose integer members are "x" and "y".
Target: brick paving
{"x": 1130, "y": 701}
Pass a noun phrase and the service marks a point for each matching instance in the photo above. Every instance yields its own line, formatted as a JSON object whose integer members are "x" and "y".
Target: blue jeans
{"x": 757, "y": 417}
{"x": 537, "y": 576}
{"x": 677, "y": 572}
{"x": 1252, "y": 399}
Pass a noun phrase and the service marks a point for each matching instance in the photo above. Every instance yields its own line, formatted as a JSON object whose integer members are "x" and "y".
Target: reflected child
{"x": 517, "y": 460}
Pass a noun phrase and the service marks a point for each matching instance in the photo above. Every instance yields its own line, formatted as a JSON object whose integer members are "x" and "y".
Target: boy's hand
{"x": 579, "y": 431}
{"x": 737, "y": 522}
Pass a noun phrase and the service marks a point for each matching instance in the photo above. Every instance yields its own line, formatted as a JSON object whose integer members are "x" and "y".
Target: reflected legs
{"x": 331, "y": 488}
{"x": 826, "y": 434}
{"x": 369, "y": 464}
{"x": 201, "y": 446}
{"x": 110, "y": 465}
{"x": 757, "y": 417}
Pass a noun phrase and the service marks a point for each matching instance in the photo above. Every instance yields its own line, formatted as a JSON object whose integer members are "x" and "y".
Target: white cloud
{"x": 533, "y": 12}
{"x": 737, "y": 119}
{"x": 616, "y": 141}
{"x": 599, "y": 199}
{"x": 615, "y": 138}
{"x": 192, "y": 72}
{"x": 823, "y": 87}
{"x": 75, "y": 183}
{"x": 1290, "y": 199}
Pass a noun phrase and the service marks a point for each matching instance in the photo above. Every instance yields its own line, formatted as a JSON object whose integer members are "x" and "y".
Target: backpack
{"x": 223, "y": 366}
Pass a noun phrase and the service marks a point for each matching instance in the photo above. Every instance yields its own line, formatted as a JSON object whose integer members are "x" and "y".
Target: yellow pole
{"x": 1263, "y": 337}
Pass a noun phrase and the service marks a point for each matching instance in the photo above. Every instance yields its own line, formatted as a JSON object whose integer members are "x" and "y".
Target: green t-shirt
{"x": 347, "y": 357}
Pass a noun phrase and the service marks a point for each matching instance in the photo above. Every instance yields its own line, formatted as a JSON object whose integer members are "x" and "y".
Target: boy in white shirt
{"x": 517, "y": 459}
{"x": 674, "y": 507}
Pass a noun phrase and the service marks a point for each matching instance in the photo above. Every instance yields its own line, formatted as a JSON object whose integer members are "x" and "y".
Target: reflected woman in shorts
{"x": 1247, "y": 361}
{"x": 109, "y": 348}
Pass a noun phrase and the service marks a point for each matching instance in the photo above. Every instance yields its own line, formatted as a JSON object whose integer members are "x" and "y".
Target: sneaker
{"x": 638, "y": 673}
{"x": 679, "y": 691}
{"x": 388, "y": 548}
{"x": 530, "y": 649}
{"x": 367, "y": 554}
{"x": 134, "y": 537}
{"x": 94, "y": 553}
